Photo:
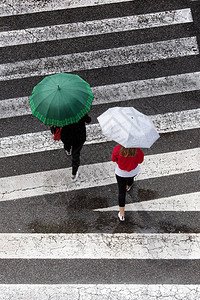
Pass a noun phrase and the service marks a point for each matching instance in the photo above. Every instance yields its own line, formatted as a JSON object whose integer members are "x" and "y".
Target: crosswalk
{"x": 42, "y": 141}
{"x": 62, "y": 240}
{"x": 96, "y": 27}
{"x": 41, "y": 183}
{"x": 100, "y": 59}
{"x": 11, "y": 7}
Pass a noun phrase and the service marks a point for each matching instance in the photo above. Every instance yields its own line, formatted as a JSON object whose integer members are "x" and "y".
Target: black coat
{"x": 75, "y": 133}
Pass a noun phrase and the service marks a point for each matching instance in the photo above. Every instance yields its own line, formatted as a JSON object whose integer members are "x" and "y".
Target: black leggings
{"x": 76, "y": 149}
{"x": 122, "y": 183}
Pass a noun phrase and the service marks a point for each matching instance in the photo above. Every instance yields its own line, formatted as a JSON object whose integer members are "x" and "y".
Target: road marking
{"x": 99, "y": 246}
{"x": 100, "y": 174}
{"x": 147, "y": 88}
{"x": 14, "y": 107}
{"x": 101, "y": 58}
{"x": 184, "y": 202}
{"x": 43, "y": 141}
{"x": 96, "y": 27}
{"x": 16, "y": 7}
{"x": 97, "y": 291}
{"x": 118, "y": 92}
{"x": 177, "y": 121}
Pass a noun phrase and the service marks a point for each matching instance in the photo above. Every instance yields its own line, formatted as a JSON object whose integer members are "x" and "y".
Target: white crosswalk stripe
{"x": 36, "y": 186}
{"x": 118, "y": 92}
{"x": 41, "y": 34}
{"x": 99, "y": 291}
{"x": 101, "y": 174}
{"x": 184, "y": 202}
{"x": 100, "y": 59}
{"x": 99, "y": 246}
{"x": 10, "y": 7}
{"x": 43, "y": 141}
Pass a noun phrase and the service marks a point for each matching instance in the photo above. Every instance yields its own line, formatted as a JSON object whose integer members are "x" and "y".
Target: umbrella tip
{"x": 58, "y": 87}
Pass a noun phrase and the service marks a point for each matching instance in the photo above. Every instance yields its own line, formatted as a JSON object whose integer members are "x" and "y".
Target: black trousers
{"x": 122, "y": 183}
{"x": 76, "y": 151}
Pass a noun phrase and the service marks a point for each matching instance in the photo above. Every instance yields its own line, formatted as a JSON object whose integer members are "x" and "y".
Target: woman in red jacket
{"x": 128, "y": 160}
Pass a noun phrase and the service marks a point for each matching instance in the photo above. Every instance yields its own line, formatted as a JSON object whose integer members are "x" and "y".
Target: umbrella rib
{"x": 43, "y": 100}
{"x": 122, "y": 113}
{"x": 123, "y": 127}
{"x": 50, "y": 105}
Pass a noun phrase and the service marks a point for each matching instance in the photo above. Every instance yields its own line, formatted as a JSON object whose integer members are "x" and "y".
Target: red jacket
{"x": 127, "y": 163}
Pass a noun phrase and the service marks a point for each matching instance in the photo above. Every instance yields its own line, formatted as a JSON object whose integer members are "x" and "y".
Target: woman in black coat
{"x": 73, "y": 137}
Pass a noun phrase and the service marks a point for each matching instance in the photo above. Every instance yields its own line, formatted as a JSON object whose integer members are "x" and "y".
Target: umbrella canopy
{"x": 128, "y": 127}
{"x": 61, "y": 99}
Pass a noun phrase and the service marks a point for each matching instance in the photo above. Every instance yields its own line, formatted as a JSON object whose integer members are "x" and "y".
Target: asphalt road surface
{"x": 61, "y": 240}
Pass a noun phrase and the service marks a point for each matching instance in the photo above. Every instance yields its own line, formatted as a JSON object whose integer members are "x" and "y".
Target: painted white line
{"x": 99, "y": 291}
{"x": 147, "y": 88}
{"x": 184, "y": 202}
{"x": 118, "y": 92}
{"x": 100, "y": 174}
{"x": 16, "y": 7}
{"x": 177, "y": 121}
{"x": 14, "y": 107}
{"x": 101, "y": 58}
{"x": 88, "y": 28}
{"x": 43, "y": 141}
{"x": 99, "y": 246}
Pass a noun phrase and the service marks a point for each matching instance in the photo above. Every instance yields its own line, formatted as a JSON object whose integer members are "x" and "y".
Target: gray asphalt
{"x": 100, "y": 271}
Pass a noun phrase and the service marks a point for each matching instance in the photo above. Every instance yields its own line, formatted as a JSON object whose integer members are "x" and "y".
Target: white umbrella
{"x": 128, "y": 127}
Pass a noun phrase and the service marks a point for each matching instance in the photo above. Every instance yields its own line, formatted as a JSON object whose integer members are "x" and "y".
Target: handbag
{"x": 57, "y": 134}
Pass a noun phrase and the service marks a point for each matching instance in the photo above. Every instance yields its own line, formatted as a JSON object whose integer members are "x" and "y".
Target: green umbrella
{"x": 61, "y": 99}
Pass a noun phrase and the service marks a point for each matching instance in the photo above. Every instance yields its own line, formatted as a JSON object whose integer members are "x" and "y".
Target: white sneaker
{"x": 74, "y": 179}
{"x": 128, "y": 188}
{"x": 122, "y": 218}
{"x": 69, "y": 152}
